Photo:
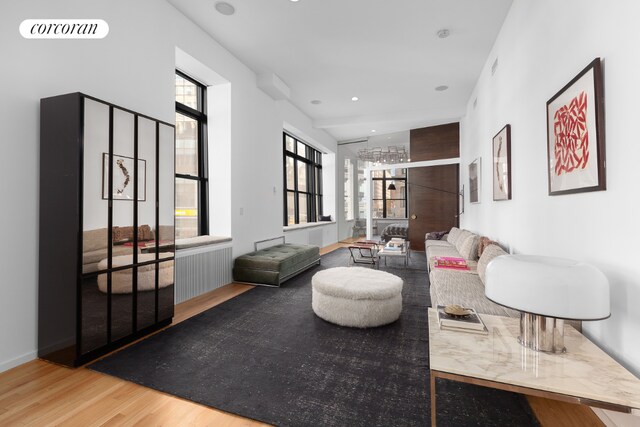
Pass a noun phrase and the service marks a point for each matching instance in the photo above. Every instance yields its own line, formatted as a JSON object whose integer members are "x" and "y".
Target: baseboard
{"x": 17, "y": 361}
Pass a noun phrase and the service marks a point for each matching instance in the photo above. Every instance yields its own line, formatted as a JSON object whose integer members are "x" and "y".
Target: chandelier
{"x": 389, "y": 155}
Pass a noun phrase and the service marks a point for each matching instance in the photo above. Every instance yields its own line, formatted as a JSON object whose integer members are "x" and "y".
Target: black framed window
{"x": 389, "y": 193}
{"x": 302, "y": 181}
{"x": 192, "y": 217}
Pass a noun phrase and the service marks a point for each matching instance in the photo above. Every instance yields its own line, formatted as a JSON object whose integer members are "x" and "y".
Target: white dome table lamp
{"x": 547, "y": 291}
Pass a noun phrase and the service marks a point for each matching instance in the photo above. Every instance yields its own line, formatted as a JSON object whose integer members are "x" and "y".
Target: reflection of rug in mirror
{"x": 94, "y": 313}
{"x": 265, "y": 355}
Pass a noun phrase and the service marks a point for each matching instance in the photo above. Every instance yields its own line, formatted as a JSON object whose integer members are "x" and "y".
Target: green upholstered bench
{"x": 272, "y": 266}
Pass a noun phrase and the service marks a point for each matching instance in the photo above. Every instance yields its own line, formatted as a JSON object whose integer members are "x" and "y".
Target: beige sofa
{"x": 94, "y": 247}
{"x": 465, "y": 287}
{"x": 94, "y": 243}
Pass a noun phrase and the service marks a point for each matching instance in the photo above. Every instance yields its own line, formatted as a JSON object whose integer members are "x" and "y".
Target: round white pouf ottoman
{"x": 122, "y": 280}
{"x": 356, "y": 296}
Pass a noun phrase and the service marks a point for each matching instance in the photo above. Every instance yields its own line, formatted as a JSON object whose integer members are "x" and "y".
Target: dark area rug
{"x": 265, "y": 355}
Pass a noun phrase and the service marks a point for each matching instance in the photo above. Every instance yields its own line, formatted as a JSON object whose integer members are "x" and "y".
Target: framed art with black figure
{"x": 502, "y": 164}
{"x": 575, "y": 134}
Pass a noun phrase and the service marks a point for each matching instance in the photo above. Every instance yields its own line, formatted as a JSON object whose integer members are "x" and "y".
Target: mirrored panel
{"x": 95, "y": 208}
{"x": 166, "y": 288}
{"x": 147, "y": 233}
{"x": 121, "y": 303}
{"x": 166, "y": 184}
{"x": 123, "y": 185}
{"x": 94, "y": 312}
{"x": 146, "y": 301}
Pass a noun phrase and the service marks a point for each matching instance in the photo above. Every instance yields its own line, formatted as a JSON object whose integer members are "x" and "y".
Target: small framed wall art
{"x": 474, "y": 180}
{"x": 123, "y": 178}
{"x": 502, "y": 164}
{"x": 575, "y": 134}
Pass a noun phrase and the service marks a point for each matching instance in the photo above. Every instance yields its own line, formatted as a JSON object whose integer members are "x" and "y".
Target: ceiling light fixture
{"x": 442, "y": 88}
{"x": 373, "y": 130}
{"x": 225, "y": 8}
{"x": 315, "y": 101}
{"x": 354, "y": 98}
{"x": 379, "y": 155}
{"x": 443, "y": 33}
{"x": 294, "y": 1}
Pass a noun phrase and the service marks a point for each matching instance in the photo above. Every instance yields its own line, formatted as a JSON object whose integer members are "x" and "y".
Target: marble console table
{"x": 584, "y": 374}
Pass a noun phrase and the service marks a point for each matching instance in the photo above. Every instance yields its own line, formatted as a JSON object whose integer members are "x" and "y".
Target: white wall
{"x": 543, "y": 44}
{"x": 132, "y": 67}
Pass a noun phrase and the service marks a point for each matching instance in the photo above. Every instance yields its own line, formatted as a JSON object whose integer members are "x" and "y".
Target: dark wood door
{"x": 433, "y": 201}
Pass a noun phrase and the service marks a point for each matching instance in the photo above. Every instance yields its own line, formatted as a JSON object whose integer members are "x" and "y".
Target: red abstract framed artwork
{"x": 575, "y": 134}
{"x": 502, "y": 164}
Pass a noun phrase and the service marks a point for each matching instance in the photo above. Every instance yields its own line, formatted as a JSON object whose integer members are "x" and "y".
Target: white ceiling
{"x": 385, "y": 52}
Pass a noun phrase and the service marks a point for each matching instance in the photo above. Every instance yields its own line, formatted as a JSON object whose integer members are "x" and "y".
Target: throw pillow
{"x": 122, "y": 234}
{"x": 144, "y": 233}
{"x": 483, "y": 243}
{"x": 436, "y": 235}
{"x": 489, "y": 253}
{"x": 469, "y": 248}
{"x": 453, "y": 235}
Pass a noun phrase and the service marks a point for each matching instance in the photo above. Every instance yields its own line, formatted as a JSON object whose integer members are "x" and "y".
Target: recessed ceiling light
{"x": 315, "y": 101}
{"x": 354, "y": 98}
{"x": 442, "y": 88}
{"x": 225, "y": 8}
{"x": 443, "y": 33}
{"x": 293, "y": 0}
{"x": 373, "y": 130}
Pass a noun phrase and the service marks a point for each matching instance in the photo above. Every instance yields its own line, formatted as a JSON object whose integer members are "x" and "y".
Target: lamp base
{"x": 542, "y": 333}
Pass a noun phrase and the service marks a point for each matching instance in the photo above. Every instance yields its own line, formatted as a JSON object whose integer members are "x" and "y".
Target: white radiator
{"x": 200, "y": 270}
{"x": 315, "y": 237}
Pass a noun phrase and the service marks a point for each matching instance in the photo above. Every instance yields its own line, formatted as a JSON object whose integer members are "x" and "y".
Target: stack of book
{"x": 467, "y": 323}
{"x": 394, "y": 244}
{"x": 450, "y": 262}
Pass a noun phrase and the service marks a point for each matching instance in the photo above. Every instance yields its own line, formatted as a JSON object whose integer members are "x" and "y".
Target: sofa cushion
{"x": 469, "y": 248}
{"x": 490, "y": 252}
{"x": 93, "y": 240}
{"x": 448, "y": 251}
{"x": 461, "y": 238}
{"x": 431, "y": 243}
{"x": 453, "y": 235}
{"x": 451, "y": 287}
{"x": 204, "y": 240}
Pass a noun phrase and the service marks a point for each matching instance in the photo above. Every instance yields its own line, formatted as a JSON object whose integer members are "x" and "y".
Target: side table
{"x": 584, "y": 374}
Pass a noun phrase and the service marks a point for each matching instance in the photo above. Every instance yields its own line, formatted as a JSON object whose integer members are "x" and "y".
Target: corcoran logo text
{"x": 64, "y": 29}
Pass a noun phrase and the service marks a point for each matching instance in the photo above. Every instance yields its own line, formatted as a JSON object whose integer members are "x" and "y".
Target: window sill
{"x": 307, "y": 225}
{"x": 195, "y": 242}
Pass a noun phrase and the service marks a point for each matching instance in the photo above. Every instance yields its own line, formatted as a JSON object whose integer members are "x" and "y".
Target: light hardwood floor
{"x": 39, "y": 393}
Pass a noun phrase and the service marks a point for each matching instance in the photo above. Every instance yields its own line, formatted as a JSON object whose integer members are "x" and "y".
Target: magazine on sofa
{"x": 451, "y": 263}
{"x": 469, "y": 323}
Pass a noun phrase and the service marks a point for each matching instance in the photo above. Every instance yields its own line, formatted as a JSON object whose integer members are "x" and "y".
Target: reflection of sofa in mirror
{"x": 94, "y": 243}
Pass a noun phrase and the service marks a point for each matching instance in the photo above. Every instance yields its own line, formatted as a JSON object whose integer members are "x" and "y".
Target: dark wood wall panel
{"x": 433, "y": 201}
{"x": 435, "y": 142}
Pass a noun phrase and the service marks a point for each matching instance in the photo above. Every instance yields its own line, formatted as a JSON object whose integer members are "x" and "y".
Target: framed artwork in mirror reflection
{"x": 123, "y": 175}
